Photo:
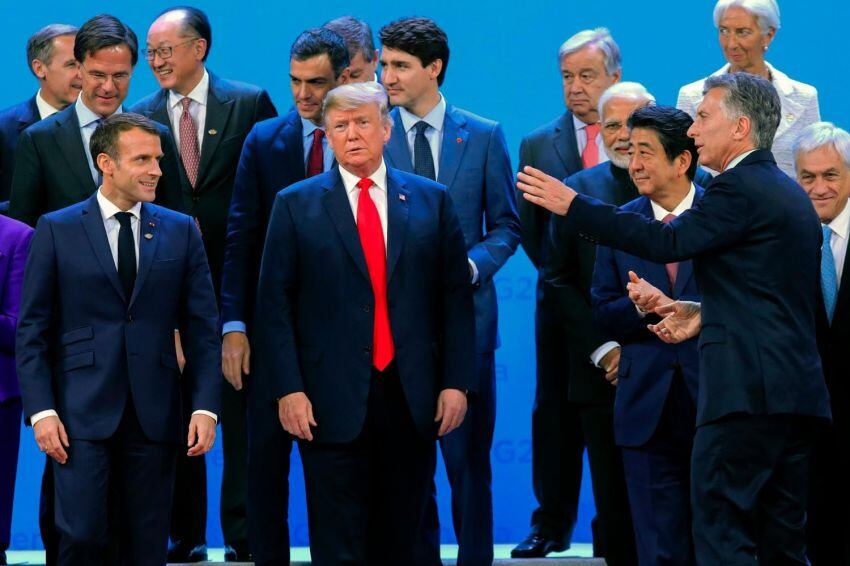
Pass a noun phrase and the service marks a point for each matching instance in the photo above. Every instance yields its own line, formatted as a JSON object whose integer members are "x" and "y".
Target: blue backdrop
{"x": 502, "y": 66}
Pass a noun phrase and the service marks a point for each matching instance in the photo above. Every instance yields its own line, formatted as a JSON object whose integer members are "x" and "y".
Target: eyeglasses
{"x": 101, "y": 78}
{"x": 166, "y": 51}
{"x": 612, "y": 126}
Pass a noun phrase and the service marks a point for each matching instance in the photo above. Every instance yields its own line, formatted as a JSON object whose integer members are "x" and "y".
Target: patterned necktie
{"x": 590, "y": 155}
{"x": 99, "y": 179}
{"x": 672, "y": 268}
{"x": 423, "y": 161}
{"x": 316, "y": 162}
{"x": 372, "y": 240}
{"x": 189, "y": 150}
{"x": 126, "y": 254}
{"x": 828, "y": 275}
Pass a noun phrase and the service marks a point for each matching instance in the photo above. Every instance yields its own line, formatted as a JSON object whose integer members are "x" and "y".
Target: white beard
{"x": 618, "y": 160}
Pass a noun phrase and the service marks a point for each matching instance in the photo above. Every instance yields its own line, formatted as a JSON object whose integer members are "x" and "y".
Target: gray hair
{"x": 357, "y": 35}
{"x": 750, "y": 96}
{"x": 40, "y": 44}
{"x": 625, "y": 89}
{"x": 766, "y": 12}
{"x": 822, "y": 134}
{"x": 599, "y": 38}
{"x": 355, "y": 95}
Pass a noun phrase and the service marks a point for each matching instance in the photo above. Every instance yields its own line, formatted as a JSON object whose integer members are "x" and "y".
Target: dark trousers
{"x": 133, "y": 468}
{"x": 748, "y": 490}
{"x": 828, "y": 525}
{"x": 189, "y": 511}
{"x": 269, "y": 447}
{"x": 556, "y": 438}
{"x": 234, "y": 476}
{"x": 613, "y": 534}
{"x": 10, "y": 440}
{"x": 367, "y": 500}
{"x": 658, "y": 476}
{"x": 47, "y": 515}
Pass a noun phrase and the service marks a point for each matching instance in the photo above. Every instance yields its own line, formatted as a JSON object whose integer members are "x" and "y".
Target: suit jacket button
{"x": 367, "y": 349}
{"x": 367, "y": 308}
{"x": 129, "y": 318}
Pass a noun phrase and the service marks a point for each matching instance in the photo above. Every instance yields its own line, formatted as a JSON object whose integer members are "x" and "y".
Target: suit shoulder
{"x": 596, "y": 174}
{"x": 635, "y": 205}
{"x": 69, "y": 213}
{"x": 475, "y": 120}
{"x": 44, "y": 126}
{"x": 804, "y": 91}
{"x": 545, "y": 131}
{"x": 147, "y": 103}
{"x": 12, "y": 230}
{"x": 692, "y": 89}
{"x": 238, "y": 88}
{"x": 12, "y": 112}
{"x": 415, "y": 182}
{"x": 168, "y": 214}
{"x": 268, "y": 129}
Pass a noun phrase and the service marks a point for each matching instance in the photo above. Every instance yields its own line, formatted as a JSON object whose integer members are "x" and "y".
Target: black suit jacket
{"x": 52, "y": 172}
{"x": 755, "y": 240}
{"x": 232, "y": 110}
{"x": 13, "y": 121}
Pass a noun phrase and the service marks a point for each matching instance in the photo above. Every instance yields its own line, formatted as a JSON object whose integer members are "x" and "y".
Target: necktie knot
{"x": 185, "y": 101}
{"x": 421, "y": 127}
{"x": 318, "y": 134}
{"x": 590, "y": 154}
{"x": 668, "y": 219}
{"x": 592, "y": 130}
{"x": 123, "y": 219}
{"x": 365, "y": 183}
{"x": 827, "y": 232}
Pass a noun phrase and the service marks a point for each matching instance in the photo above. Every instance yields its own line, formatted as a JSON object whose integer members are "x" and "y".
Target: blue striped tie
{"x": 828, "y": 275}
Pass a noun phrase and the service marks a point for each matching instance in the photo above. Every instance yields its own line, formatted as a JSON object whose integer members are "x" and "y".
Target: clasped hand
{"x": 680, "y": 319}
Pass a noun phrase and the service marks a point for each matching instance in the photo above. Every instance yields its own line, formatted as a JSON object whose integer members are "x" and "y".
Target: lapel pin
{"x": 148, "y": 236}
{"x": 212, "y": 131}
{"x": 151, "y": 224}
{"x": 459, "y": 140}
{"x": 402, "y": 198}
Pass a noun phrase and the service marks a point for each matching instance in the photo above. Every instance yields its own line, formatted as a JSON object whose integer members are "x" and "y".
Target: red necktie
{"x": 672, "y": 268}
{"x": 316, "y": 163}
{"x": 590, "y": 155}
{"x": 372, "y": 240}
{"x": 189, "y": 151}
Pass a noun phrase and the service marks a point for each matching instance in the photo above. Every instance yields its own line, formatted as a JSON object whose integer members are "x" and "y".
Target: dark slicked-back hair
{"x": 422, "y": 38}
{"x": 105, "y": 137}
{"x": 40, "y": 44}
{"x": 195, "y": 24}
{"x": 671, "y": 125}
{"x": 357, "y": 35}
{"x": 321, "y": 41}
{"x": 104, "y": 31}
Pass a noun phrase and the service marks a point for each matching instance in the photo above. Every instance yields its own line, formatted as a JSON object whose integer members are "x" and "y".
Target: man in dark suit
{"x": 14, "y": 245}
{"x": 107, "y": 283}
{"x": 761, "y": 384}
{"x": 276, "y": 154}
{"x": 468, "y": 155}
{"x": 53, "y": 168}
{"x": 656, "y": 383}
{"x": 589, "y": 63}
{"x": 209, "y": 118}
{"x": 822, "y": 157}
{"x": 365, "y": 332}
{"x": 50, "y": 54}
{"x": 362, "y": 55}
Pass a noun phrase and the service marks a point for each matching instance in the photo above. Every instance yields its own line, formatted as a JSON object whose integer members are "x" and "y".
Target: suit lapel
{"x": 93, "y": 224}
{"x": 219, "y": 107}
{"x": 28, "y": 116}
{"x": 70, "y": 142}
{"x": 160, "y": 110}
{"x": 655, "y": 273}
{"x": 397, "y": 151}
{"x": 454, "y": 144}
{"x": 398, "y": 201}
{"x": 566, "y": 145}
{"x": 338, "y": 207}
{"x": 147, "y": 246}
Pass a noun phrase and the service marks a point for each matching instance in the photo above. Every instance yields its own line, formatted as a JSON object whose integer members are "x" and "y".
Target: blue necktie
{"x": 828, "y": 275}
{"x": 423, "y": 161}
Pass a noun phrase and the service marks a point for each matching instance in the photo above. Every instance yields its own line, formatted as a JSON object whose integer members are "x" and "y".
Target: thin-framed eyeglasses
{"x": 166, "y": 51}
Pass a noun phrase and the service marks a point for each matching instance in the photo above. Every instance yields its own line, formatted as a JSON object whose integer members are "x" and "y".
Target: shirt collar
{"x": 85, "y": 116}
{"x": 108, "y": 208}
{"x": 309, "y": 127}
{"x": 578, "y": 124}
{"x": 840, "y": 225}
{"x": 738, "y": 159}
{"x": 659, "y": 212}
{"x": 350, "y": 180}
{"x": 434, "y": 118}
{"x": 199, "y": 94}
{"x": 45, "y": 109}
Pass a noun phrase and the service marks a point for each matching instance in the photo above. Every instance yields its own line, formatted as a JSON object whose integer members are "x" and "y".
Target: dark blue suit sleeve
{"x": 500, "y": 211}
{"x": 34, "y": 322}
{"x": 198, "y": 324}
{"x": 613, "y": 312}
{"x": 169, "y": 190}
{"x": 27, "y": 198}
{"x": 533, "y": 218}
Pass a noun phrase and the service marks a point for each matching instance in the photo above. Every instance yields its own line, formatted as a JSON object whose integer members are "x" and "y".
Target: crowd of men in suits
{"x": 326, "y": 278}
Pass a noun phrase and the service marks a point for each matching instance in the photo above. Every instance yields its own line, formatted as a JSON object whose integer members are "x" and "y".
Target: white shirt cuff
{"x": 641, "y": 313}
{"x": 42, "y": 415}
{"x": 234, "y": 326}
{"x": 207, "y": 413}
{"x": 474, "y": 269}
{"x": 599, "y": 353}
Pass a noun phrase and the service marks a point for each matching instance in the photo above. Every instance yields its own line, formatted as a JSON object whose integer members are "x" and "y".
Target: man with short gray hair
{"x": 755, "y": 242}
{"x": 822, "y": 159}
{"x": 50, "y": 57}
{"x": 362, "y": 55}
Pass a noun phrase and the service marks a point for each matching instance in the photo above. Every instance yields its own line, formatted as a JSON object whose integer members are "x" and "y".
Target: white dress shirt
{"x": 840, "y": 227}
{"x": 88, "y": 124}
{"x": 581, "y": 140}
{"x": 112, "y": 226}
{"x": 378, "y": 192}
{"x": 45, "y": 109}
{"x": 197, "y": 108}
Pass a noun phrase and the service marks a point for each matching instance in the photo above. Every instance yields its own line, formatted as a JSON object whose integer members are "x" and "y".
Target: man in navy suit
{"x": 107, "y": 283}
{"x": 755, "y": 240}
{"x": 589, "y": 63}
{"x": 277, "y": 153}
{"x": 50, "y": 54}
{"x": 365, "y": 336}
{"x": 468, "y": 155}
{"x": 209, "y": 118}
{"x": 655, "y": 404}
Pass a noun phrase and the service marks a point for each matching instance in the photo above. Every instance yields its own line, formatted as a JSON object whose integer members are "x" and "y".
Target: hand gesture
{"x": 644, "y": 295}
{"x": 544, "y": 190}
{"x": 681, "y": 321}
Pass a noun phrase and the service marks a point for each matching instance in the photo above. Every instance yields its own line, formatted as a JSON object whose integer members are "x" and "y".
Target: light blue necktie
{"x": 828, "y": 275}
